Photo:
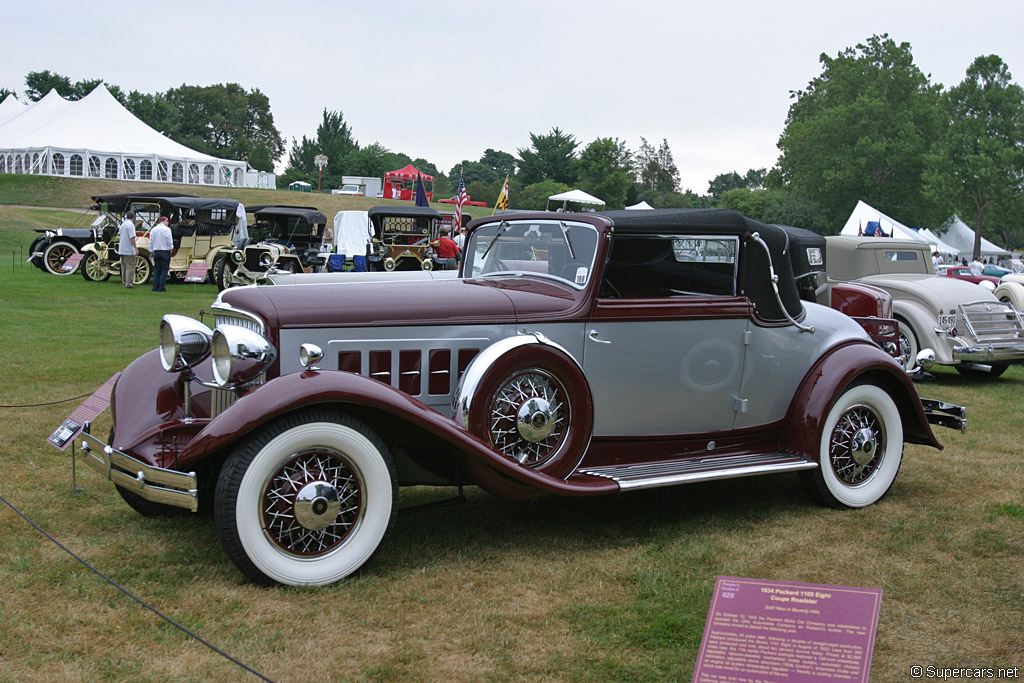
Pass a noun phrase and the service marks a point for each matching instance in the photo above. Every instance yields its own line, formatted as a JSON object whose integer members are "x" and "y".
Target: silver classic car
{"x": 963, "y": 325}
{"x": 575, "y": 355}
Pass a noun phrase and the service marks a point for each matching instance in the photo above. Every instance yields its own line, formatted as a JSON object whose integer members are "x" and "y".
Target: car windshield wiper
{"x": 502, "y": 227}
{"x": 565, "y": 236}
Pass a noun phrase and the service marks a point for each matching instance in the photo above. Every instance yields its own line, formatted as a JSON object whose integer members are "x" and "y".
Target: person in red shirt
{"x": 447, "y": 251}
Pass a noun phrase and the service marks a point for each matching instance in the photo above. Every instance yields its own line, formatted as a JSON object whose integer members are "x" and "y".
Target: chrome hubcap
{"x": 863, "y": 446}
{"x": 534, "y": 420}
{"x": 317, "y": 505}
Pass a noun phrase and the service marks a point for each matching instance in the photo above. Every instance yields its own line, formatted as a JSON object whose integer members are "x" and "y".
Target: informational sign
{"x": 88, "y": 411}
{"x": 72, "y": 263}
{"x": 197, "y": 273}
{"x": 761, "y": 631}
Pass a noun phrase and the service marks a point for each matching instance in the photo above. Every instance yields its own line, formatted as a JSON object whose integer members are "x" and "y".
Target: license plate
{"x": 947, "y": 321}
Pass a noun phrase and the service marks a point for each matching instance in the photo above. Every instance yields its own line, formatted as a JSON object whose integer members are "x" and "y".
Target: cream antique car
{"x": 964, "y": 325}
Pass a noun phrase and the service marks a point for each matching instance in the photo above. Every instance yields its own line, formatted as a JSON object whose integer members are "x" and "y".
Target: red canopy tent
{"x": 401, "y": 184}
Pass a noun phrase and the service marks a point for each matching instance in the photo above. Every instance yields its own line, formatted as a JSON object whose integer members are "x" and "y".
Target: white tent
{"x": 948, "y": 251}
{"x": 863, "y": 214}
{"x": 959, "y": 234}
{"x": 642, "y": 206}
{"x": 97, "y": 137}
{"x": 10, "y": 108}
{"x": 576, "y": 196}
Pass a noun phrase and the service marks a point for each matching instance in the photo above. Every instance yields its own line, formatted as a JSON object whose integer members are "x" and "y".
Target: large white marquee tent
{"x": 960, "y": 235}
{"x": 96, "y": 137}
{"x": 864, "y": 213}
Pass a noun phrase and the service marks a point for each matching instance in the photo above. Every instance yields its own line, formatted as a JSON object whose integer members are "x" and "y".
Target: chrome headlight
{"x": 266, "y": 259}
{"x": 183, "y": 342}
{"x": 239, "y": 355}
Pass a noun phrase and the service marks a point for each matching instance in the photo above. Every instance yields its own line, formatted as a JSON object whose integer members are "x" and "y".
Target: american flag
{"x": 460, "y": 200}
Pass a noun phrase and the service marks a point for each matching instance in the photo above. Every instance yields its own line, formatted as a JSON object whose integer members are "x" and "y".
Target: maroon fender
{"x": 827, "y": 379}
{"x": 299, "y": 390}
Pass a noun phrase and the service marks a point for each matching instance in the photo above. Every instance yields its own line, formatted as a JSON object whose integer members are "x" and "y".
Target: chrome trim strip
{"x": 655, "y": 475}
{"x": 155, "y": 484}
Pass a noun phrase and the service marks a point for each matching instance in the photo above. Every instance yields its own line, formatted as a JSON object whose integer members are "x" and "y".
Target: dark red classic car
{"x": 575, "y": 355}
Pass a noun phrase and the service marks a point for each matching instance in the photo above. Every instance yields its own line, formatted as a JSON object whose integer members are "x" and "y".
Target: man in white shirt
{"x": 127, "y": 249}
{"x": 161, "y": 243}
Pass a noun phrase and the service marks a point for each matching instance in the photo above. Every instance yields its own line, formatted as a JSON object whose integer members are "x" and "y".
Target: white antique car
{"x": 963, "y": 324}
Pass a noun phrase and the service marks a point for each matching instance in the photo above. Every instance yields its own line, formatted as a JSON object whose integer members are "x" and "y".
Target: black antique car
{"x": 576, "y": 355}
{"x": 287, "y": 239}
{"x": 52, "y": 248}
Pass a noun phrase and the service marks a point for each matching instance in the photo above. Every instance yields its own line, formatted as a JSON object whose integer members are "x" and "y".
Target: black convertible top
{"x": 376, "y": 212}
{"x": 311, "y": 214}
{"x": 166, "y": 200}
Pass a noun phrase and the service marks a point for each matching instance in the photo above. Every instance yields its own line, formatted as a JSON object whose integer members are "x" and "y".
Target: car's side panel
{"x": 778, "y": 359}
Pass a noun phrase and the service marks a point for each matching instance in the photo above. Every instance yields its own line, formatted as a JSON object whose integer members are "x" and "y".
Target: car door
{"x": 665, "y": 349}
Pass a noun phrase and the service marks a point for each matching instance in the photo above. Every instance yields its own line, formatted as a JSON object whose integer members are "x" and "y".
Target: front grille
{"x": 221, "y": 399}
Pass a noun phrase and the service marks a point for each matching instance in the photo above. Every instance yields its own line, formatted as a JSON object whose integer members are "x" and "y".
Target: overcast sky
{"x": 446, "y": 80}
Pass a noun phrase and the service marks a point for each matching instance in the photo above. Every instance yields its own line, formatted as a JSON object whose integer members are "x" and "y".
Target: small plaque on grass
{"x": 761, "y": 631}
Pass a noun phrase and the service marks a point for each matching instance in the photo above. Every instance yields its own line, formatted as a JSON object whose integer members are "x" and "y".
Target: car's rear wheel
{"x": 220, "y": 274}
{"x": 55, "y": 255}
{"x": 93, "y": 268}
{"x": 307, "y": 500}
{"x": 861, "y": 449}
{"x": 907, "y": 345}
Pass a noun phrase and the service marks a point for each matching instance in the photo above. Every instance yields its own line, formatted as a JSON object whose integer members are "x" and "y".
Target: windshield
{"x": 559, "y": 249}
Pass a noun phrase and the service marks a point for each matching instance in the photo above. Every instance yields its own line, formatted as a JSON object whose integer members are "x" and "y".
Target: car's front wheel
{"x": 861, "y": 449}
{"x": 55, "y": 255}
{"x": 94, "y": 269}
{"x": 307, "y": 500}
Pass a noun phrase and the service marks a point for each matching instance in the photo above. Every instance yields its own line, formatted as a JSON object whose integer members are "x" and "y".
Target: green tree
{"x": 605, "y": 168}
{"x": 502, "y": 163}
{"x": 550, "y": 157}
{"x": 724, "y": 182}
{"x": 655, "y": 169}
{"x": 535, "y": 196}
{"x": 39, "y": 83}
{"x": 225, "y": 120}
{"x": 4, "y": 92}
{"x": 790, "y": 208}
{"x": 861, "y": 130}
{"x": 979, "y": 162}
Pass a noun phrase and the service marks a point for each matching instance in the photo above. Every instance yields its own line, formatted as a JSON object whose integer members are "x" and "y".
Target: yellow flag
{"x": 502, "y": 202}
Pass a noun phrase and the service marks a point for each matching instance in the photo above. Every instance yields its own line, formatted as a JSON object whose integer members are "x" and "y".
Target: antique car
{"x": 963, "y": 324}
{"x": 201, "y": 227}
{"x": 51, "y": 249}
{"x": 575, "y": 355}
{"x": 1011, "y": 290}
{"x": 870, "y": 306}
{"x": 402, "y": 236}
{"x": 281, "y": 239}
{"x": 967, "y": 274}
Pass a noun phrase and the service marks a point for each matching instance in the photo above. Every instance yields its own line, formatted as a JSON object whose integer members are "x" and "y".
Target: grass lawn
{"x": 559, "y": 589}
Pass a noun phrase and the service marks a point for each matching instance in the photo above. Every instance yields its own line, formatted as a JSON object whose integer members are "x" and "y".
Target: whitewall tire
{"x": 307, "y": 500}
{"x": 861, "y": 449}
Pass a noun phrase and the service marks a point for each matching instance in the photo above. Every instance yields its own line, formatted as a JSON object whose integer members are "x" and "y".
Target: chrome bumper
{"x": 155, "y": 484}
{"x": 989, "y": 354}
{"x": 945, "y": 414}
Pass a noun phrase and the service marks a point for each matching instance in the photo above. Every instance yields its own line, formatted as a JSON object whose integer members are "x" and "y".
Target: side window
{"x": 659, "y": 266}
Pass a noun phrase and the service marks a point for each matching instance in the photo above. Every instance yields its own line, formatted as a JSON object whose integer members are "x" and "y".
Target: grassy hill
{"x": 75, "y": 193}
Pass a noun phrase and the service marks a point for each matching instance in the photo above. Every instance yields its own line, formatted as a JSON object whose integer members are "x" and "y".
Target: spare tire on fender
{"x": 529, "y": 400}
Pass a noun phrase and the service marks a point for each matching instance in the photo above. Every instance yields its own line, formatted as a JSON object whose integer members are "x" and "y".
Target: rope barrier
{"x": 124, "y": 590}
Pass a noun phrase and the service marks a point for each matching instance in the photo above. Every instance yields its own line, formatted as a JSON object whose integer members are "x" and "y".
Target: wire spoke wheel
{"x": 312, "y": 503}
{"x": 55, "y": 256}
{"x": 529, "y": 414}
{"x": 857, "y": 444}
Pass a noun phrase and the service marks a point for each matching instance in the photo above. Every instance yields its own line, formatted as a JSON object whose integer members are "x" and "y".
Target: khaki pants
{"x": 128, "y": 270}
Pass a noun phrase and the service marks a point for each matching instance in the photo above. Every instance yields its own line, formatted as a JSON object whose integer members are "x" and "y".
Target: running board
{"x": 689, "y": 471}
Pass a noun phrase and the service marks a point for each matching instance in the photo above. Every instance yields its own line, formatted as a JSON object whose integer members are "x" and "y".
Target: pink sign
{"x": 72, "y": 263}
{"x": 197, "y": 273}
{"x": 88, "y": 411}
{"x": 761, "y": 631}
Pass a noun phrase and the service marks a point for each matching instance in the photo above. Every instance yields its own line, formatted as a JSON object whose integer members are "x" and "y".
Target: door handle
{"x": 594, "y": 336}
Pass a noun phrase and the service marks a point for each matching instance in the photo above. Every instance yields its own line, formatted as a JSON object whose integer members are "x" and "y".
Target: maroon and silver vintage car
{"x": 575, "y": 355}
